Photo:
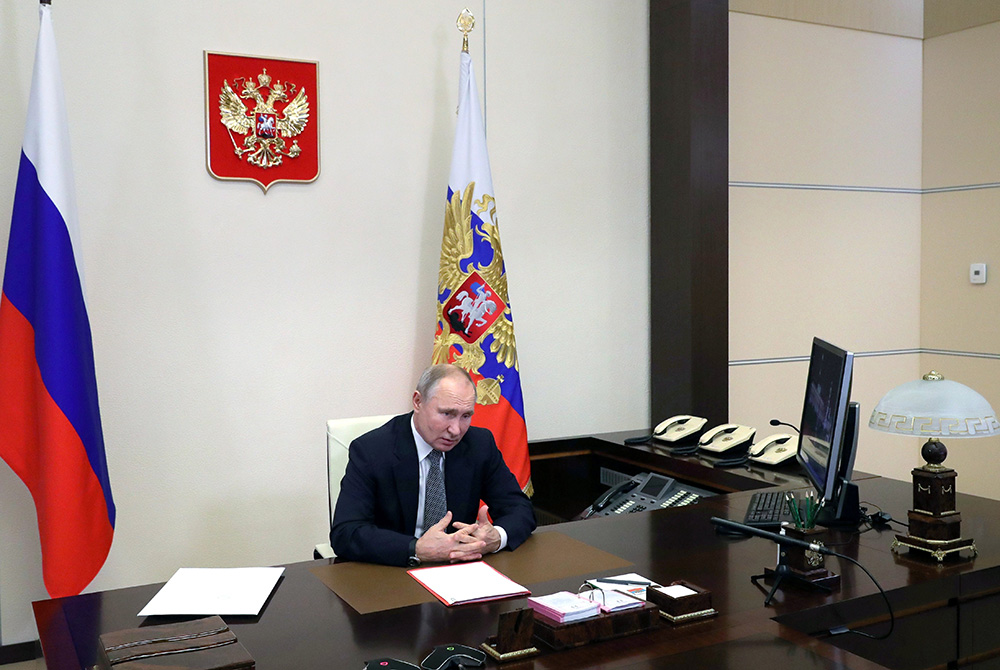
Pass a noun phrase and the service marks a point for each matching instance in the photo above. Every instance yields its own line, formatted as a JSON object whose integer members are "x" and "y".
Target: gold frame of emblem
{"x": 208, "y": 120}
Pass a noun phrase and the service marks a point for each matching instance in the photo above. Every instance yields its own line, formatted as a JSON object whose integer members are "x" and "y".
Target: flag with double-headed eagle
{"x": 475, "y": 329}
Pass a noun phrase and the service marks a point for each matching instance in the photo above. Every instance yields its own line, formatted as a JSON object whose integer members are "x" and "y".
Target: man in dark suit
{"x": 389, "y": 484}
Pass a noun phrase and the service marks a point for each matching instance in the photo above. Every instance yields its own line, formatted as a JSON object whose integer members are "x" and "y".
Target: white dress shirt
{"x": 423, "y": 451}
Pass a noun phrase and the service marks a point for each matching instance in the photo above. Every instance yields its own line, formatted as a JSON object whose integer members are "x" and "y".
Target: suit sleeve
{"x": 510, "y": 508}
{"x": 355, "y": 535}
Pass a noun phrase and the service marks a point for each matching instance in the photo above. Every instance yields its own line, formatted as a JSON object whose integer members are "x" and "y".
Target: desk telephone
{"x": 681, "y": 432}
{"x": 676, "y": 428}
{"x": 726, "y": 437}
{"x": 654, "y": 492}
{"x": 774, "y": 449}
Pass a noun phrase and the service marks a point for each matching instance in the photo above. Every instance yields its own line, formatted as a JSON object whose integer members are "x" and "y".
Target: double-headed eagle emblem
{"x": 265, "y": 130}
{"x": 474, "y": 302}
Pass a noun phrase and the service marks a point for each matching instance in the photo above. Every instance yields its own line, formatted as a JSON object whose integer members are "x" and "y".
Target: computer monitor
{"x": 829, "y": 432}
{"x": 844, "y": 509}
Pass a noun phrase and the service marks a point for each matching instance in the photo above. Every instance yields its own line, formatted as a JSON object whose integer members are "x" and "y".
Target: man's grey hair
{"x": 432, "y": 376}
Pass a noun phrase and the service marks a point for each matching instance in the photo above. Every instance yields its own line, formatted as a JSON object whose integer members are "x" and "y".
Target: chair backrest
{"x": 339, "y": 435}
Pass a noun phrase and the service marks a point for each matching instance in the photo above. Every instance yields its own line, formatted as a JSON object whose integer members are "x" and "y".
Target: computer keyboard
{"x": 767, "y": 509}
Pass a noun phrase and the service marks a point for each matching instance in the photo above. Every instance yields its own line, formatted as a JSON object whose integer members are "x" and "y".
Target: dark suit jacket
{"x": 376, "y": 511}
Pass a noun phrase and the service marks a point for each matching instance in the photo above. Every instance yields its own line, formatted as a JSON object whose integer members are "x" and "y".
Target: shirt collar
{"x": 423, "y": 449}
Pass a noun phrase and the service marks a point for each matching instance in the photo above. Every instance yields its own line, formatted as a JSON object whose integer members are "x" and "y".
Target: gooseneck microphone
{"x": 784, "y": 539}
{"x": 775, "y": 422}
{"x": 774, "y": 537}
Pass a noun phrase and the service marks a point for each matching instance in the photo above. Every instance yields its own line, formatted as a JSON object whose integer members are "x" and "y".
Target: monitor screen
{"x": 824, "y": 415}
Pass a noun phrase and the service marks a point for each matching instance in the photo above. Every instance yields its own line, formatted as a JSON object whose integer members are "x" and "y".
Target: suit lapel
{"x": 406, "y": 474}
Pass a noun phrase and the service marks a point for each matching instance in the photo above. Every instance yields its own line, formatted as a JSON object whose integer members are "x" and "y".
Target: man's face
{"x": 443, "y": 418}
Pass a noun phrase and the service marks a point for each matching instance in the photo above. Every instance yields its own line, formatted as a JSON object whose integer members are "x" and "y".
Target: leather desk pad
{"x": 543, "y": 557}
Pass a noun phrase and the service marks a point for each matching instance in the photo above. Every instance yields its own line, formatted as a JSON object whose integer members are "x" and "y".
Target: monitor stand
{"x": 845, "y": 512}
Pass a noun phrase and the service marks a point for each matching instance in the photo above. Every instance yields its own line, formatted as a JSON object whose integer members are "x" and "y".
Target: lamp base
{"x": 937, "y": 528}
{"x": 936, "y": 548}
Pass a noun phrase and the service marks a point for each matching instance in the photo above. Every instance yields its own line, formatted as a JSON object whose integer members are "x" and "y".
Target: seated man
{"x": 422, "y": 474}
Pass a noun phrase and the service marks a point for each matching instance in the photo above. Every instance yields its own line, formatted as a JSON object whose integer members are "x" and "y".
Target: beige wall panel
{"x": 977, "y": 460}
{"x": 844, "y": 266}
{"x": 894, "y": 17}
{"x": 961, "y": 99}
{"x": 758, "y": 393}
{"x": 879, "y": 452}
{"x": 819, "y": 105}
{"x": 958, "y": 229}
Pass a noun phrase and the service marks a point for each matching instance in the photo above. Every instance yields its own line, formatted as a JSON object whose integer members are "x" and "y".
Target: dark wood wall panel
{"x": 689, "y": 208}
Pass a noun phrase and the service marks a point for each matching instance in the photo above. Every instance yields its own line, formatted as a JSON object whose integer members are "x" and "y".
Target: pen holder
{"x": 799, "y": 559}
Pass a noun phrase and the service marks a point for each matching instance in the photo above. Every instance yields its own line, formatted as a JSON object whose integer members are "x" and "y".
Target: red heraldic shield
{"x": 473, "y": 308}
{"x": 261, "y": 118}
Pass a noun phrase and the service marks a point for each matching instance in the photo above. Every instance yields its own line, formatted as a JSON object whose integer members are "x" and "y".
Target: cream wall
{"x": 865, "y": 178}
{"x": 960, "y": 226}
{"x": 824, "y": 209}
{"x": 229, "y": 325}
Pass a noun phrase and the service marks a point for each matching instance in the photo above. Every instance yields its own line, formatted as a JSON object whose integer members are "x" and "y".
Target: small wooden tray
{"x": 604, "y": 626}
{"x": 694, "y": 606}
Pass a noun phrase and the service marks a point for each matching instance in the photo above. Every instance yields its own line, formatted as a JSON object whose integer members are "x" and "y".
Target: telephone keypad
{"x": 652, "y": 492}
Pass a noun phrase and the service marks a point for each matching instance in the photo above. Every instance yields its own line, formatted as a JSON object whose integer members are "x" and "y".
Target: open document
{"x": 208, "y": 591}
{"x": 467, "y": 583}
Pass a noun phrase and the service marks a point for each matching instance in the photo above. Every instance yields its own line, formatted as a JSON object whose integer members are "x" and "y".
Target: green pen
{"x": 816, "y": 509}
{"x": 793, "y": 507}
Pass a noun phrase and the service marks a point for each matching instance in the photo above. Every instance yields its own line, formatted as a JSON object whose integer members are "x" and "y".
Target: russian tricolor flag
{"x": 475, "y": 328}
{"x": 50, "y": 423}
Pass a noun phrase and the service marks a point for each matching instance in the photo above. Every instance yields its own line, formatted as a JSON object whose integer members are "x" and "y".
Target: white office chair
{"x": 339, "y": 435}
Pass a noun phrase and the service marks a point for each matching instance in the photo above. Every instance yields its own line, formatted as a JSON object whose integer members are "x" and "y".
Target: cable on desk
{"x": 840, "y": 630}
{"x": 879, "y": 519}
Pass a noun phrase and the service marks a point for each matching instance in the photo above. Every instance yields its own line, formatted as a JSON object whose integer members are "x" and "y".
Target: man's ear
{"x": 416, "y": 400}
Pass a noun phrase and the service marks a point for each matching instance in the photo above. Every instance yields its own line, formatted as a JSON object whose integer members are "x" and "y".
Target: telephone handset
{"x": 612, "y": 495}
{"x": 726, "y": 437}
{"x": 774, "y": 449}
{"x": 678, "y": 427}
{"x": 645, "y": 492}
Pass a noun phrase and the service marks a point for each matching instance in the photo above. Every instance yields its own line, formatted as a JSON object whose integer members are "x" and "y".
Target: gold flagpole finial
{"x": 466, "y": 22}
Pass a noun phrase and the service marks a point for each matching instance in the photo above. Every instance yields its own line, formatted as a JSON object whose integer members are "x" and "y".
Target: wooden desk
{"x": 567, "y": 471}
{"x": 305, "y": 625}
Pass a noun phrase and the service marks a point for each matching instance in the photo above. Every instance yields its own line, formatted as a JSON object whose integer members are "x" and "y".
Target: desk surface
{"x": 305, "y": 625}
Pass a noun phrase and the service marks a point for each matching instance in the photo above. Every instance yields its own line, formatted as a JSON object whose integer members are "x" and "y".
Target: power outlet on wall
{"x": 977, "y": 273}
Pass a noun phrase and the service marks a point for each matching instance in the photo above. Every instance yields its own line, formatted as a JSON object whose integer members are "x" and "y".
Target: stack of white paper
{"x": 214, "y": 591}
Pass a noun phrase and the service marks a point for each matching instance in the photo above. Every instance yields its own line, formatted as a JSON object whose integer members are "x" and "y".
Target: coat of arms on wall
{"x": 262, "y": 118}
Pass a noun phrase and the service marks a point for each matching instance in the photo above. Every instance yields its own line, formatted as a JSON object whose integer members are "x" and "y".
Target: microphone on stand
{"x": 782, "y": 570}
{"x": 774, "y": 537}
{"x": 775, "y": 422}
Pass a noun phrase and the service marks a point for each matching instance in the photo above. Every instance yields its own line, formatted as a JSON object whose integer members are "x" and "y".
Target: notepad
{"x": 636, "y": 589}
{"x": 467, "y": 583}
{"x": 565, "y": 606}
{"x": 611, "y": 600}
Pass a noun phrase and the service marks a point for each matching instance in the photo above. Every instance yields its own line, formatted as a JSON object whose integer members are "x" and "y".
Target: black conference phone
{"x": 646, "y": 491}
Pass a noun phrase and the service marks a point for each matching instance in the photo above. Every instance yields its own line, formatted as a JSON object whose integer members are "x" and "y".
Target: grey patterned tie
{"x": 435, "y": 505}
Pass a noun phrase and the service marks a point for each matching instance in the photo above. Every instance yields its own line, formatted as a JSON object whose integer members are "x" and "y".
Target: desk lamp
{"x": 934, "y": 407}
